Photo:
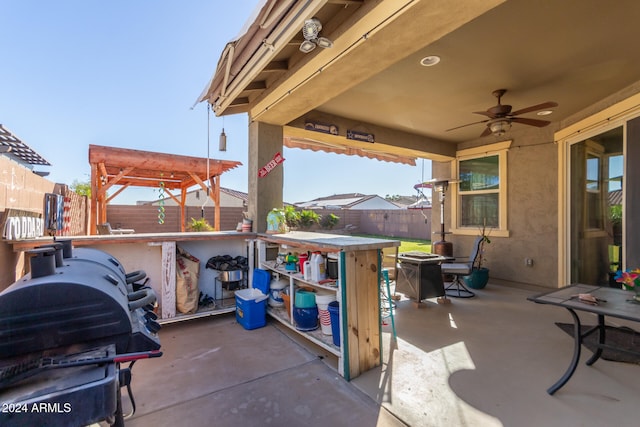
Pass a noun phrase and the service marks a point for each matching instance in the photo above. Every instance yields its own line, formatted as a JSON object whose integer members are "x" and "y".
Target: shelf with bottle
{"x": 329, "y": 284}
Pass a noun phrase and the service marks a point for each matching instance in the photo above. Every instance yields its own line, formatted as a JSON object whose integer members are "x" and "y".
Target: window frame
{"x": 500, "y": 149}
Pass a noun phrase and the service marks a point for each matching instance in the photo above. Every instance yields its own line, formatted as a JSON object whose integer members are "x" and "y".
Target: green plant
{"x": 200, "y": 225}
{"x": 329, "y": 221}
{"x": 291, "y": 216}
{"x": 485, "y": 240}
{"x": 81, "y": 188}
{"x": 308, "y": 218}
{"x": 615, "y": 214}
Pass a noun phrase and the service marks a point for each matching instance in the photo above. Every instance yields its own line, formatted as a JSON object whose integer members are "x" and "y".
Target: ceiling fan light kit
{"x": 499, "y": 127}
{"x": 500, "y": 116}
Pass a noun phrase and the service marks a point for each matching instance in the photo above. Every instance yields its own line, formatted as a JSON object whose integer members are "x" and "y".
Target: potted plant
{"x": 479, "y": 276}
{"x": 291, "y": 217}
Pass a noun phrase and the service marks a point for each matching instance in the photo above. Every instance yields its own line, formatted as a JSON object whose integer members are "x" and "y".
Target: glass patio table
{"x": 610, "y": 302}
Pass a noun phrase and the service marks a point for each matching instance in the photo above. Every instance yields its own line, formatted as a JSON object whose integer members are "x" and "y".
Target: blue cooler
{"x": 251, "y": 310}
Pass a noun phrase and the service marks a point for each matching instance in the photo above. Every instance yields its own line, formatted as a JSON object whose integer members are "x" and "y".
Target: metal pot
{"x": 230, "y": 276}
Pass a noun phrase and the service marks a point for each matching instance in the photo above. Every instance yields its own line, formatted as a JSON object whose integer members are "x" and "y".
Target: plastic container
{"x": 334, "y": 312}
{"x": 307, "y": 270}
{"x": 251, "y": 310}
{"x": 318, "y": 268}
{"x": 306, "y": 319}
{"x": 302, "y": 259}
{"x": 275, "y": 293}
{"x": 323, "y": 311}
{"x": 305, "y": 299}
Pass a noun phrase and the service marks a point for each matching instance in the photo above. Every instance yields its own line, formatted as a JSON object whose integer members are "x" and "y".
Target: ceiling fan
{"x": 501, "y": 117}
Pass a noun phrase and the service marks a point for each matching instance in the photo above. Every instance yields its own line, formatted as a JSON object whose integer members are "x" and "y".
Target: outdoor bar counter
{"x": 155, "y": 253}
{"x": 357, "y": 289}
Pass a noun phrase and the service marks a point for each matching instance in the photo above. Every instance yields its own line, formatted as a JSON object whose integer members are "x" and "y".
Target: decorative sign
{"x": 321, "y": 127}
{"x": 271, "y": 165}
{"x": 18, "y": 224}
{"x": 360, "y": 136}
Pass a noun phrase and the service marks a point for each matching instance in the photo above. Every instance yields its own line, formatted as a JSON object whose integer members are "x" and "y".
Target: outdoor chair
{"x": 457, "y": 289}
{"x": 106, "y": 229}
{"x": 389, "y": 263}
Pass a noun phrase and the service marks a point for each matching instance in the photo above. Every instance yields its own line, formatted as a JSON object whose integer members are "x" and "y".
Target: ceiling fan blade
{"x": 531, "y": 122}
{"x": 468, "y": 124}
{"x": 486, "y": 113}
{"x": 486, "y": 132}
{"x": 543, "y": 106}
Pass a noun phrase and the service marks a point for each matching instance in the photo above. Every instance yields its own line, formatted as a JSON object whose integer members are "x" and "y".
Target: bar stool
{"x": 386, "y": 296}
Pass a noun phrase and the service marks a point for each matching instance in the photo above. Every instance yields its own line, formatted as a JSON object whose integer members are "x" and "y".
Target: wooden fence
{"x": 403, "y": 223}
{"x": 144, "y": 218}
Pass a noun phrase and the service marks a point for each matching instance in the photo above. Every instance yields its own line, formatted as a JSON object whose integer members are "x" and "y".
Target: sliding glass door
{"x": 596, "y": 207}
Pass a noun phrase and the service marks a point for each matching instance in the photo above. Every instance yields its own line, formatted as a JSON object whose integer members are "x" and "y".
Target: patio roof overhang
{"x": 570, "y": 52}
{"x": 113, "y": 166}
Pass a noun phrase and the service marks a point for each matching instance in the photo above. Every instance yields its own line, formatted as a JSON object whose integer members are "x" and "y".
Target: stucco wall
{"x": 532, "y": 212}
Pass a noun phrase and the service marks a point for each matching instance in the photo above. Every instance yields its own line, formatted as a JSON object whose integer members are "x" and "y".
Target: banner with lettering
{"x": 19, "y": 224}
{"x": 271, "y": 165}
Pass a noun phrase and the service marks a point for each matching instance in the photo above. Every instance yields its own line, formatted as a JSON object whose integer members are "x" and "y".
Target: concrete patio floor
{"x": 485, "y": 361}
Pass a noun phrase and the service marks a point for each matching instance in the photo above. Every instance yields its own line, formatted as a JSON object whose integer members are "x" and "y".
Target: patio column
{"x": 265, "y": 193}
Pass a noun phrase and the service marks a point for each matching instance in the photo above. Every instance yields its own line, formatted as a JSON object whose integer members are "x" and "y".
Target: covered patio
{"x": 480, "y": 362}
{"x": 112, "y": 166}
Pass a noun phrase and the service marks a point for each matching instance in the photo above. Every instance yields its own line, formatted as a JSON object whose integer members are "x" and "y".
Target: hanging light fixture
{"x": 499, "y": 127}
{"x": 311, "y": 31}
{"x": 223, "y": 138}
{"x": 223, "y": 141}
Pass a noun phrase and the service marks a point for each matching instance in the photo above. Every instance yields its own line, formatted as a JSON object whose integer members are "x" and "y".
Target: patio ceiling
{"x": 573, "y": 52}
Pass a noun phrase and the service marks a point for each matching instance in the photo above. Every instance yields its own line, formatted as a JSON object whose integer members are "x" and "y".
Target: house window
{"x": 480, "y": 198}
{"x": 479, "y": 191}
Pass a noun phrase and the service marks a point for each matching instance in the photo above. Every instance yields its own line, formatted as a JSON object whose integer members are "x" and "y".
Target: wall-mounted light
{"x": 311, "y": 31}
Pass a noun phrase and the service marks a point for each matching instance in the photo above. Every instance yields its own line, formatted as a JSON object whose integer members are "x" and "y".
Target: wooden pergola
{"x": 125, "y": 167}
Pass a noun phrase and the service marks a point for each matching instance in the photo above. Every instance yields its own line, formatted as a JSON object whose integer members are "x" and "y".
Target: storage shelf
{"x": 316, "y": 336}
{"x": 200, "y": 313}
{"x": 271, "y": 265}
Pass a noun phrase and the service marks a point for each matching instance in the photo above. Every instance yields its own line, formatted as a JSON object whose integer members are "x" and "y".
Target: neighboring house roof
{"x": 410, "y": 201}
{"x": 420, "y": 204}
{"x": 615, "y": 197}
{"x": 235, "y": 193}
{"x": 14, "y": 147}
{"x": 228, "y": 197}
{"x": 348, "y": 201}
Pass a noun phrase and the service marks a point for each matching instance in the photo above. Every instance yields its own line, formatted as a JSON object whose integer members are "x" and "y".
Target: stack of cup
{"x": 323, "y": 302}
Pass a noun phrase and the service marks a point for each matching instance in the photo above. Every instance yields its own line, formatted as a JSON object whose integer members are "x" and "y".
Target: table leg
{"x": 577, "y": 336}
{"x": 601, "y": 340}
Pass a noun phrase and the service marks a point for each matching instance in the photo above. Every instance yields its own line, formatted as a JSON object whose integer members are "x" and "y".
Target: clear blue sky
{"x": 125, "y": 73}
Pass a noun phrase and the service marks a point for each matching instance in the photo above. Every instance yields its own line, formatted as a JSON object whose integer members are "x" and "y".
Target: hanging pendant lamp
{"x": 223, "y": 141}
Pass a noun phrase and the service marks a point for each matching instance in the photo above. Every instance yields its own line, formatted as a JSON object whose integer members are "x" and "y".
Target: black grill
{"x": 67, "y": 326}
